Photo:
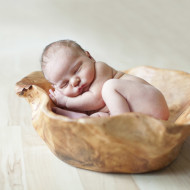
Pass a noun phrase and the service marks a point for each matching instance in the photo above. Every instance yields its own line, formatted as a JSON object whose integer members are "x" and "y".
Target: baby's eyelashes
{"x": 77, "y": 70}
{"x": 64, "y": 84}
{"x": 74, "y": 81}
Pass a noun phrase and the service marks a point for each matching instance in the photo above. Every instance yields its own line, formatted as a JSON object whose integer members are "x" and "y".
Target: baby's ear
{"x": 88, "y": 55}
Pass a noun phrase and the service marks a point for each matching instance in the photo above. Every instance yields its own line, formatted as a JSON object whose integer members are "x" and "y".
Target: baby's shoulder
{"x": 103, "y": 68}
{"x": 102, "y": 65}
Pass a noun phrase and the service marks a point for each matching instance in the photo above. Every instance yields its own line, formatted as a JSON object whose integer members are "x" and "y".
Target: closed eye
{"x": 78, "y": 68}
{"x": 65, "y": 84}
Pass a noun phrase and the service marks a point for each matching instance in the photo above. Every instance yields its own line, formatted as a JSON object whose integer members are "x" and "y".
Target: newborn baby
{"x": 84, "y": 87}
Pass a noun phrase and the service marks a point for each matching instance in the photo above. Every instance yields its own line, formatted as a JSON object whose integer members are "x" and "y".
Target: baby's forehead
{"x": 63, "y": 57}
{"x": 58, "y": 54}
{"x": 65, "y": 49}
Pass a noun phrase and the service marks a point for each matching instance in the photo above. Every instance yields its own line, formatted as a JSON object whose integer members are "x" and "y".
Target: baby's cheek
{"x": 67, "y": 92}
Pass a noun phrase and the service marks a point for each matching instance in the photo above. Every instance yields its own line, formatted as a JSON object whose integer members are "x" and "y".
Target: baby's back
{"x": 133, "y": 78}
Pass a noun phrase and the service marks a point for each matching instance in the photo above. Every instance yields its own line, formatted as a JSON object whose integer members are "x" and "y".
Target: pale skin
{"x": 86, "y": 88}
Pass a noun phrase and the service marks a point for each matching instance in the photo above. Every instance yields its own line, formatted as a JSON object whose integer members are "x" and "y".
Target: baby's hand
{"x": 58, "y": 98}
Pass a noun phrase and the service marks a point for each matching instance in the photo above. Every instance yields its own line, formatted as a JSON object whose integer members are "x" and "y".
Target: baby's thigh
{"x": 140, "y": 97}
{"x": 137, "y": 94}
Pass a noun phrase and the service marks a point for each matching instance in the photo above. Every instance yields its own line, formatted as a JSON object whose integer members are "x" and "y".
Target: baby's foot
{"x": 99, "y": 114}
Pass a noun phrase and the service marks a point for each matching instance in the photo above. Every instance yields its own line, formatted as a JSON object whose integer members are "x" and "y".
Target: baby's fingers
{"x": 52, "y": 96}
{"x": 51, "y": 92}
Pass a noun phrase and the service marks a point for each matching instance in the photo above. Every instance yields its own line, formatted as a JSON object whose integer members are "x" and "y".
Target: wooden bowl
{"x": 127, "y": 143}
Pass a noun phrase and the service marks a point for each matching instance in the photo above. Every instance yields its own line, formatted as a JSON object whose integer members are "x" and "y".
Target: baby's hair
{"x": 53, "y": 47}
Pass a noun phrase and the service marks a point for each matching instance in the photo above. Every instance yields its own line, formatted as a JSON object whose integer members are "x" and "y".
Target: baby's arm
{"x": 87, "y": 101}
{"x": 72, "y": 114}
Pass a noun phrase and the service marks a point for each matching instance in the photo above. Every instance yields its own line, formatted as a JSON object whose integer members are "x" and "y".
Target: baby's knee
{"x": 109, "y": 86}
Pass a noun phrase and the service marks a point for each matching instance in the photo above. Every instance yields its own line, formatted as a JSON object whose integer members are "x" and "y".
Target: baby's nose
{"x": 75, "y": 81}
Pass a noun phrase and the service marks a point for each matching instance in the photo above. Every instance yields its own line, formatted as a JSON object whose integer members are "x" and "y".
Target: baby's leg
{"x": 99, "y": 114}
{"x": 125, "y": 95}
{"x": 113, "y": 99}
{"x": 77, "y": 115}
{"x": 70, "y": 114}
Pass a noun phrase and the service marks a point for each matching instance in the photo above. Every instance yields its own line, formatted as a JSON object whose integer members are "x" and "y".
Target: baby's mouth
{"x": 83, "y": 88}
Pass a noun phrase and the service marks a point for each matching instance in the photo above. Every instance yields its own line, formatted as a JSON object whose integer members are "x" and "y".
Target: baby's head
{"x": 66, "y": 62}
{"x": 51, "y": 51}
